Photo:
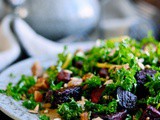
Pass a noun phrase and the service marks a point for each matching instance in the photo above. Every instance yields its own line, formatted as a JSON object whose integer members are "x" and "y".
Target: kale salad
{"x": 117, "y": 79}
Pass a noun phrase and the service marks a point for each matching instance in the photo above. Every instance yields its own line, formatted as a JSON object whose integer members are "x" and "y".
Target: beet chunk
{"x": 141, "y": 78}
{"x": 64, "y": 76}
{"x": 49, "y": 96}
{"x": 96, "y": 94}
{"x": 126, "y": 99}
{"x": 103, "y": 72}
{"x": 117, "y": 116}
{"x": 79, "y": 64}
{"x": 151, "y": 113}
{"x": 64, "y": 95}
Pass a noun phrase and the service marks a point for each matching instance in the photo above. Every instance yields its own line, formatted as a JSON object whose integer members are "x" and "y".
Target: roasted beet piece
{"x": 96, "y": 94}
{"x": 103, "y": 72}
{"x": 64, "y": 76}
{"x": 126, "y": 99}
{"x": 79, "y": 64}
{"x": 117, "y": 116}
{"x": 49, "y": 96}
{"x": 151, "y": 113}
{"x": 141, "y": 78}
{"x": 64, "y": 95}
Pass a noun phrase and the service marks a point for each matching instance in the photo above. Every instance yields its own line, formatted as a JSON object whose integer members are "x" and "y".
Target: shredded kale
{"x": 70, "y": 111}
{"x": 31, "y": 103}
{"x": 56, "y": 86}
{"x": 44, "y": 117}
{"x": 102, "y": 109}
{"x": 138, "y": 115}
{"x": 93, "y": 82}
{"x": 20, "y": 88}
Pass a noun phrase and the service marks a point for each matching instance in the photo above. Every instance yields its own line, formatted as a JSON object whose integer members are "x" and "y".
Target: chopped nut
{"x": 45, "y": 75}
{"x": 98, "y": 118}
{"x": 82, "y": 101}
{"x": 108, "y": 82}
{"x": 46, "y": 111}
{"x": 87, "y": 76}
{"x": 74, "y": 82}
{"x": 35, "y": 111}
{"x": 147, "y": 66}
{"x": 47, "y": 105}
{"x": 38, "y": 97}
{"x": 107, "y": 77}
{"x": 148, "y": 118}
{"x": 32, "y": 89}
{"x": 65, "y": 85}
{"x": 84, "y": 116}
{"x": 57, "y": 119}
{"x": 42, "y": 83}
{"x": 37, "y": 69}
{"x": 23, "y": 97}
{"x": 68, "y": 71}
{"x": 141, "y": 65}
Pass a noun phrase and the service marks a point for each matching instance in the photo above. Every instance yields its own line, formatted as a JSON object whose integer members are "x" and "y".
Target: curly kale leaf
{"x": 124, "y": 78}
{"x": 70, "y": 110}
{"x": 110, "y": 108}
{"x": 20, "y": 88}
{"x": 44, "y": 117}
{"x": 93, "y": 82}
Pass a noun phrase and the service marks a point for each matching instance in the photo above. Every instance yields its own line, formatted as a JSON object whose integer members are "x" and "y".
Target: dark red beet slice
{"x": 151, "y": 113}
{"x": 96, "y": 94}
{"x": 126, "y": 99}
{"x": 79, "y": 64}
{"x": 64, "y": 76}
{"x": 103, "y": 72}
{"x": 141, "y": 78}
{"x": 117, "y": 116}
{"x": 49, "y": 96}
{"x": 64, "y": 95}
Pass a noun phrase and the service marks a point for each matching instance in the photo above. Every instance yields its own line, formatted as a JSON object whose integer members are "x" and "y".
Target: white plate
{"x": 9, "y": 106}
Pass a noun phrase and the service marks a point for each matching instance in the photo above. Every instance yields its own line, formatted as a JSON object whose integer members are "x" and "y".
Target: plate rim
{"x": 41, "y": 59}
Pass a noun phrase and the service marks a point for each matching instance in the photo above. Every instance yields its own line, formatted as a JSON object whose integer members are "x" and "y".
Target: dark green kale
{"x": 20, "y": 88}
{"x": 56, "y": 86}
{"x": 138, "y": 114}
{"x": 110, "y": 108}
{"x": 44, "y": 117}
{"x": 93, "y": 82}
{"x": 30, "y": 103}
{"x": 70, "y": 110}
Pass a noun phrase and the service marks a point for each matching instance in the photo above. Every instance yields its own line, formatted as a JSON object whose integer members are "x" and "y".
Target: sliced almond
{"x": 98, "y": 118}
{"x": 108, "y": 82}
{"x": 37, "y": 69}
{"x": 75, "y": 82}
{"x": 36, "y": 109}
{"x": 87, "y": 76}
{"x": 141, "y": 65}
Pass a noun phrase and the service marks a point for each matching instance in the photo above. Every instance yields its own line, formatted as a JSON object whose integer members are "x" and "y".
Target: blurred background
{"x": 31, "y": 28}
